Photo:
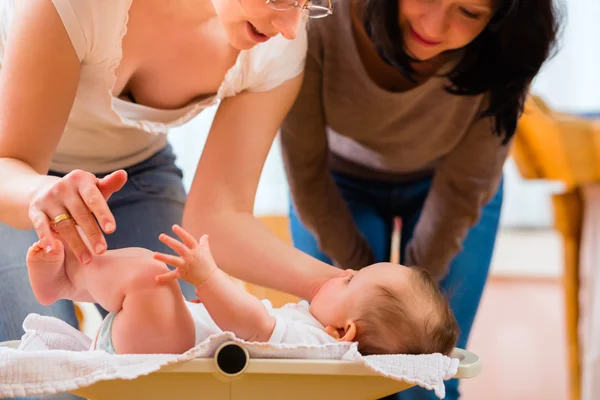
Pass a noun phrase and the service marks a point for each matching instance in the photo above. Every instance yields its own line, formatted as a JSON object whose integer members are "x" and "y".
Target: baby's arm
{"x": 232, "y": 308}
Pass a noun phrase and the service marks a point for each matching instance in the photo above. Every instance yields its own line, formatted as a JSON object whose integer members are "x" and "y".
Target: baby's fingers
{"x": 169, "y": 276}
{"x": 185, "y": 236}
{"x": 169, "y": 259}
{"x": 174, "y": 244}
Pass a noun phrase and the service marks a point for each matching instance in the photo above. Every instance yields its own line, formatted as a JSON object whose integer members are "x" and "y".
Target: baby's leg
{"x": 151, "y": 317}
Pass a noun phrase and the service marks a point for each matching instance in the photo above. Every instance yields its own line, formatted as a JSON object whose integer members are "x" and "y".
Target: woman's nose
{"x": 434, "y": 23}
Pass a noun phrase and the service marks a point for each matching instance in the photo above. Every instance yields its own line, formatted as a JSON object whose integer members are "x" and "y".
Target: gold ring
{"x": 61, "y": 217}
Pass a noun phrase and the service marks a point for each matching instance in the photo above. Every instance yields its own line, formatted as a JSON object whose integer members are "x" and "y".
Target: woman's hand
{"x": 65, "y": 203}
{"x": 195, "y": 264}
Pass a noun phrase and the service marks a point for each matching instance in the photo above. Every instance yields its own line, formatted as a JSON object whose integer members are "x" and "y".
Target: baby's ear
{"x": 349, "y": 333}
{"x": 345, "y": 334}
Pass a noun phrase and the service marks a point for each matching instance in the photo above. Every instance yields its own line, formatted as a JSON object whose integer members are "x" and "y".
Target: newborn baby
{"x": 386, "y": 308}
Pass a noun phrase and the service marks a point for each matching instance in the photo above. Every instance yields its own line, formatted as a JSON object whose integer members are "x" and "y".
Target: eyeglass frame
{"x": 295, "y": 4}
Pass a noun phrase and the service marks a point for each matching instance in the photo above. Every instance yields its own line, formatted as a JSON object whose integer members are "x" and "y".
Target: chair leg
{"x": 568, "y": 210}
{"x": 79, "y": 315}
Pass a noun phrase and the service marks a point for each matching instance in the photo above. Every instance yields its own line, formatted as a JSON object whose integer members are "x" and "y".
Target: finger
{"x": 169, "y": 276}
{"x": 43, "y": 229}
{"x": 86, "y": 221}
{"x": 174, "y": 244}
{"x": 196, "y": 301}
{"x": 206, "y": 249}
{"x": 203, "y": 240}
{"x": 112, "y": 183}
{"x": 185, "y": 236}
{"x": 169, "y": 259}
{"x": 37, "y": 246}
{"x": 95, "y": 203}
{"x": 68, "y": 231}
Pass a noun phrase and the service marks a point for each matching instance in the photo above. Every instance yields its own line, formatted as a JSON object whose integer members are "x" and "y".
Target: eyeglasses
{"x": 314, "y": 8}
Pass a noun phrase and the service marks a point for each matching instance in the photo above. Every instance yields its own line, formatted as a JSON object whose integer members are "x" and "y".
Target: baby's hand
{"x": 195, "y": 263}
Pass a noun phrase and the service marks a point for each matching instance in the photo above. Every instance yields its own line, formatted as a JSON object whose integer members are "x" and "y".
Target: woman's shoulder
{"x": 88, "y": 11}
{"x": 94, "y": 25}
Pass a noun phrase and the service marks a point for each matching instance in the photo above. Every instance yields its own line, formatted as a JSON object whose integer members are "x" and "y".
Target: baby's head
{"x": 388, "y": 309}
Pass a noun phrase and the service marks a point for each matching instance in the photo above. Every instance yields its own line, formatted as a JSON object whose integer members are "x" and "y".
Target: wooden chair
{"x": 555, "y": 146}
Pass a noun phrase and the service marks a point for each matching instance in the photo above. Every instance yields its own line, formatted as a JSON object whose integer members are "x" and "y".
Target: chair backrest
{"x": 556, "y": 146}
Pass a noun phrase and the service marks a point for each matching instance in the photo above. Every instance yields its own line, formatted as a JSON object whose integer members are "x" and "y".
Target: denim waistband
{"x": 163, "y": 157}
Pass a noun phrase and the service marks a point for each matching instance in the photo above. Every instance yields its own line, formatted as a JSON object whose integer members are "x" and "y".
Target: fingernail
{"x": 99, "y": 248}
{"x": 109, "y": 226}
{"x": 48, "y": 249}
{"x": 85, "y": 258}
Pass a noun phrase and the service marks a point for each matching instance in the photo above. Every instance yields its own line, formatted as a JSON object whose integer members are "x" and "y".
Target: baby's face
{"x": 341, "y": 299}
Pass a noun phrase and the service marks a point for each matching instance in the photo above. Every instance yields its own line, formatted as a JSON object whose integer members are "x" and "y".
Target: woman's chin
{"x": 242, "y": 44}
{"x": 420, "y": 55}
{"x": 240, "y": 41}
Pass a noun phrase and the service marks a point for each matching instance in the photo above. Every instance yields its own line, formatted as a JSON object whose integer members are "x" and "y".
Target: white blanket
{"x": 54, "y": 357}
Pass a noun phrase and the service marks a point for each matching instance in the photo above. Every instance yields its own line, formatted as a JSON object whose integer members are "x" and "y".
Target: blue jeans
{"x": 374, "y": 205}
{"x": 149, "y": 204}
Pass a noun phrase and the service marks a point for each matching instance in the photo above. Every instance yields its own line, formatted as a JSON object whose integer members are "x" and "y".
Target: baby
{"x": 386, "y": 308}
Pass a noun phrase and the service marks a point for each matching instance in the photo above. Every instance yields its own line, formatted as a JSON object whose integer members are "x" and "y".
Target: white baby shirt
{"x": 294, "y": 324}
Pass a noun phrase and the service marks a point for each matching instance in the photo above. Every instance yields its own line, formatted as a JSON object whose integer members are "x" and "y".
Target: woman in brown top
{"x": 407, "y": 110}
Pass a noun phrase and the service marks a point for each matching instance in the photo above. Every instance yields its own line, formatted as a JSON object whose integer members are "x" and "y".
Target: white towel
{"x": 54, "y": 357}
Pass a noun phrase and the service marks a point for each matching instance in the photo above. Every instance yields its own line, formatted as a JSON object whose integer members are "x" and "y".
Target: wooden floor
{"x": 520, "y": 335}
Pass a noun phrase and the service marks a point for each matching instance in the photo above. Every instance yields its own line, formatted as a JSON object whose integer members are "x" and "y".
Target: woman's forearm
{"x": 221, "y": 198}
{"x": 465, "y": 181}
{"x": 19, "y": 182}
{"x": 243, "y": 247}
{"x": 38, "y": 83}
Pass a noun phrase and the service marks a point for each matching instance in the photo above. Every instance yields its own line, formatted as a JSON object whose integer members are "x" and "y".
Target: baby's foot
{"x": 47, "y": 273}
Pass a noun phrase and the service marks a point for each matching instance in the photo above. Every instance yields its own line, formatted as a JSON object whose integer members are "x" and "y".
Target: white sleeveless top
{"x": 104, "y": 133}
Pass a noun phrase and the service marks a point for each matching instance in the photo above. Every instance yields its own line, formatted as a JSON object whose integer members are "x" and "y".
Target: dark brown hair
{"x": 502, "y": 61}
{"x": 417, "y": 322}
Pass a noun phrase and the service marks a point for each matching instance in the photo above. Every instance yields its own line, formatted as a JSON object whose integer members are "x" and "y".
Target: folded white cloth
{"x": 53, "y": 357}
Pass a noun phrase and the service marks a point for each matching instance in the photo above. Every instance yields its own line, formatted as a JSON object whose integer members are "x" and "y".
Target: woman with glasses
{"x": 406, "y": 112}
{"x": 88, "y": 92}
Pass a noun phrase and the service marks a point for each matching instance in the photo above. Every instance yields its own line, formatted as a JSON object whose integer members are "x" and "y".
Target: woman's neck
{"x": 381, "y": 72}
